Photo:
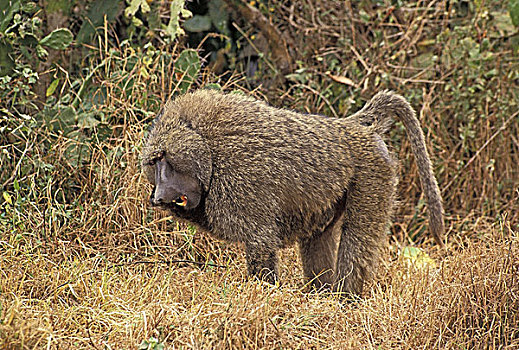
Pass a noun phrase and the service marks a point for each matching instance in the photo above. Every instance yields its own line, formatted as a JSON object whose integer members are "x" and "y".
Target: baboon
{"x": 267, "y": 177}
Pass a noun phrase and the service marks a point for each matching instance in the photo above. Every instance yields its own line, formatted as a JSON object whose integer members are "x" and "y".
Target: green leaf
{"x": 134, "y": 6}
{"x": 198, "y": 24}
{"x": 58, "y": 39}
{"x": 513, "y": 8}
{"x": 137, "y": 22}
{"x": 417, "y": 257}
{"x": 151, "y": 344}
{"x": 6, "y": 61}
{"x": 52, "y": 87}
{"x": 176, "y": 11}
{"x": 187, "y": 68}
{"x": 213, "y": 86}
{"x": 30, "y": 7}
{"x": 29, "y": 40}
{"x": 7, "y": 198}
{"x": 87, "y": 121}
{"x": 502, "y": 24}
{"x": 95, "y": 18}
{"x": 41, "y": 52}
{"x": 219, "y": 15}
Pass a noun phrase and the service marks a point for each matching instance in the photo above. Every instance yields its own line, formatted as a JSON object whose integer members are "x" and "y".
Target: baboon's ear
{"x": 156, "y": 119}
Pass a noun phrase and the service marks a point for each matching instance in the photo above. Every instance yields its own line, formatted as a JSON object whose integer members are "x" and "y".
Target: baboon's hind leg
{"x": 367, "y": 216}
{"x": 319, "y": 255}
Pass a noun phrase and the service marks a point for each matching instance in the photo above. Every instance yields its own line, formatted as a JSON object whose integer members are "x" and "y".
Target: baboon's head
{"x": 172, "y": 189}
{"x": 177, "y": 162}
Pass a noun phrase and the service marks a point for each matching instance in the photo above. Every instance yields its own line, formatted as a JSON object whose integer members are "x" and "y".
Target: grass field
{"x": 85, "y": 262}
{"x": 124, "y": 289}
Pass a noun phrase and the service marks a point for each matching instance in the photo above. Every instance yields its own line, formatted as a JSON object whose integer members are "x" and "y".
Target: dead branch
{"x": 276, "y": 42}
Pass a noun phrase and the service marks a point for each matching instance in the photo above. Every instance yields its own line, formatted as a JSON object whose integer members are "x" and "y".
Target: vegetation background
{"x": 85, "y": 263}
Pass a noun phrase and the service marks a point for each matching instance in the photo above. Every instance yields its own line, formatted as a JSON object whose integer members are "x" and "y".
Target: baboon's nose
{"x": 157, "y": 200}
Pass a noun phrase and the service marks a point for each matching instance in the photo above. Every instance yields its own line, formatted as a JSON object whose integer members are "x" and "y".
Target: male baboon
{"x": 248, "y": 172}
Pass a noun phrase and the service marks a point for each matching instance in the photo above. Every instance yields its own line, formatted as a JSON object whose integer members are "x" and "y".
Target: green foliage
{"x": 21, "y": 36}
{"x": 145, "y": 20}
{"x": 53, "y": 129}
{"x": 177, "y": 11}
{"x": 22, "y": 39}
{"x": 151, "y": 344}
{"x": 98, "y": 10}
{"x": 11, "y": 212}
{"x": 187, "y": 68}
{"x": 219, "y": 16}
{"x": 59, "y": 39}
{"x": 48, "y": 138}
{"x": 7, "y": 10}
{"x": 16, "y": 89}
{"x": 134, "y": 6}
{"x": 52, "y": 87}
{"x": 474, "y": 79}
{"x": 198, "y": 24}
{"x": 513, "y": 8}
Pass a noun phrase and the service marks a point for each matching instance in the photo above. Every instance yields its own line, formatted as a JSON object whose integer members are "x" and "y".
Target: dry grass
{"x": 84, "y": 263}
{"x": 73, "y": 295}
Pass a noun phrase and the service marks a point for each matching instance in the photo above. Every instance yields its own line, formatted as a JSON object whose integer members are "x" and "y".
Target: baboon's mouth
{"x": 181, "y": 201}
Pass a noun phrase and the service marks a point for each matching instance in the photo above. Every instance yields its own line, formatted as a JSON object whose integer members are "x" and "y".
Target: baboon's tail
{"x": 378, "y": 114}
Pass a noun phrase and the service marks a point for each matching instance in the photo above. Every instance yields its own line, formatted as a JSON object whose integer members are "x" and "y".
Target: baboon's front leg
{"x": 262, "y": 261}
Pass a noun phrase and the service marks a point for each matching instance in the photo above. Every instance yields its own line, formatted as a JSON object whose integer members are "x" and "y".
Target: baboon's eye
{"x": 154, "y": 160}
{"x": 181, "y": 201}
